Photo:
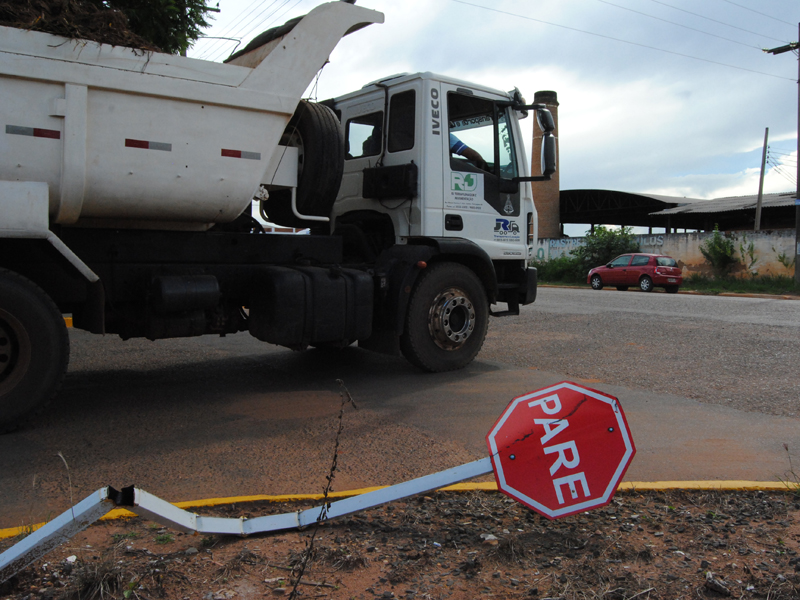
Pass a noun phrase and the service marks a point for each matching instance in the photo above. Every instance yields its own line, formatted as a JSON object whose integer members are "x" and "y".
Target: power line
{"x": 771, "y": 149}
{"x": 258, "y": 24}
{"x": 759, "y": 13}
{"x": 266, "y": 14}
{"x": 777, "y": 168}
{"x": 679, "y": 24}
{"x": 608, "y": 37}
{"x": 714, "y": 20}
{"x": 230, "y": 27}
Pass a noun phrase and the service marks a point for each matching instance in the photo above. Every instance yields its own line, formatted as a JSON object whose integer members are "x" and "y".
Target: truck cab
{"x": 405, "y": 179}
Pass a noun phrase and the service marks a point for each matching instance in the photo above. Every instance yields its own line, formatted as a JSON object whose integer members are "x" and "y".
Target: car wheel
{"x": 646, "y": 284}
{"x": 447, "y": 319}
{"x": 597, "y": 282}
{"x": 622, "y": 288}
{"x": 671, "y": 289}
{"x": 34, "y": 349}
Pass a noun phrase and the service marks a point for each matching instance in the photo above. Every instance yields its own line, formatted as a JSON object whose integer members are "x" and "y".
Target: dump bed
{"x": 126, "y": 138}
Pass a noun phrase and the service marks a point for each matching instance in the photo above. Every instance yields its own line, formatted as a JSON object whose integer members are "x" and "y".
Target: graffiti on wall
{"x": 763, "y": 253}
{"x": 550, "y": 248}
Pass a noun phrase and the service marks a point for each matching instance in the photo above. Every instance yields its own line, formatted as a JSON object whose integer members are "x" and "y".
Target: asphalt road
{"x": 219, "y": 417}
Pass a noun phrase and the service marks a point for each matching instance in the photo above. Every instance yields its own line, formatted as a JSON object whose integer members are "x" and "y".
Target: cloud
{"x": 645, "y": 105}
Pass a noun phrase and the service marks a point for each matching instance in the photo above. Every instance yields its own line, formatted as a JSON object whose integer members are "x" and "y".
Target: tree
{"x": 602, "y": 245}
{"x": 171, "y": 25}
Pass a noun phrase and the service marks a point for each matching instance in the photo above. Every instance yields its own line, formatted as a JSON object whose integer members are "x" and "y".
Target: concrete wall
{"x": 768, "y": 246}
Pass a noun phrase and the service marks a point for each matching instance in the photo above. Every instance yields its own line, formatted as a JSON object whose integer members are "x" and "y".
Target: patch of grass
{"x": 773, "y": 284}
{"x": 778, "y": 285}
{"x": 164, "y": 538}
{"x": 130, "y": 535}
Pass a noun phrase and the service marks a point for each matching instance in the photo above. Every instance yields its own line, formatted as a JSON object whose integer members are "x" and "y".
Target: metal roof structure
{"x": 612, "y": 207}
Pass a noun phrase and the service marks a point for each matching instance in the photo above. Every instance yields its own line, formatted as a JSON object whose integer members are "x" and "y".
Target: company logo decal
{"x": 463, "y": 182}
{"x": 506, "y": 230}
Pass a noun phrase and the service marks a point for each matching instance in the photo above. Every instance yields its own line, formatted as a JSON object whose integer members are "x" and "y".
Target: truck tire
{"x": 34, "y": 350}
{"x": 447, "y": 319}
{"x": 315, "y": 131}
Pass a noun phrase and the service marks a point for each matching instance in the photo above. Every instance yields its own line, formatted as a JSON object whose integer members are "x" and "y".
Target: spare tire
{"x": 315, "y": 131}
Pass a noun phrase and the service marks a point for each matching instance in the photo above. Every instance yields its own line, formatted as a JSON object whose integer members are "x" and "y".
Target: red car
{"x": 645, "y": 271}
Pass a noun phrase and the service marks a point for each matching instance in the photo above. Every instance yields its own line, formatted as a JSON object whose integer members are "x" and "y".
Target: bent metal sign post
{"x": 560, "y": 451}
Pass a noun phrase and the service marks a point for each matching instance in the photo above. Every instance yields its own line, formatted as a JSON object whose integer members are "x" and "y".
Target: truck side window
{"x": 363, "y": 135}
{"x": 401, "y": 121}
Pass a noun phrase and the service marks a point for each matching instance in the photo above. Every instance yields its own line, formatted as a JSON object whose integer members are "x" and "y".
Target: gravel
{"x": 737, "y": 352}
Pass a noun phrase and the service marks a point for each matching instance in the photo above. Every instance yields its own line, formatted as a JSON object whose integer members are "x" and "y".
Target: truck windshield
{"x": 471, "y": 123}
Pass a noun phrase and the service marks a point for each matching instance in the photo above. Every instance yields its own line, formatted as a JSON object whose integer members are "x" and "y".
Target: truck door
{"x": 480, "y": 201}
{"x": 381, "y": 162}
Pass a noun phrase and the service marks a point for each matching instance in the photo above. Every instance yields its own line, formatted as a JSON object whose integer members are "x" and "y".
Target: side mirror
{"x": 545, "y": 119}
{"x": 610, "y": 266}
{"x": 548, "y": 154}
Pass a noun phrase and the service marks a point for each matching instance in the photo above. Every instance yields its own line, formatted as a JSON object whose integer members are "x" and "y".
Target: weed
{"x": 309, "y": 553}
{"x": 792, "y": 481}
{"x": 96, "y": 580}
{"x": 785, "y": 259}
{"x": 748, "y": 253}
{"x": 342, "y": 559}
{"x": 236, "y": 563}
{"x": 719, "y": 251}
{"x": 128, "y": 591}
{"x": 164, "y": 538}
{"x": 130, "y": 535}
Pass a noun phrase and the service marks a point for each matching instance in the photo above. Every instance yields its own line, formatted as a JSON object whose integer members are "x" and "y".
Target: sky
{"x": 664, "y": 97}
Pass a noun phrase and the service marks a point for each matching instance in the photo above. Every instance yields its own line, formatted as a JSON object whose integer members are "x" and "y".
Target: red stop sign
{"x": 561, "y": 450}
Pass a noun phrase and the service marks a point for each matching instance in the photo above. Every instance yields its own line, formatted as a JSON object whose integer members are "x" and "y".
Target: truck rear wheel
{"x": 34, "y": 349}
{"x": 314, "y": 130}
{"x": 447, "y": 319}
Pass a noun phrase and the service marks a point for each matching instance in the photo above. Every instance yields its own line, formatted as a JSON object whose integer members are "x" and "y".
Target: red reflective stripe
{"x": 137, "y": 143}
{"x": 232, "y": 153}
{"x": 46, "y": 133}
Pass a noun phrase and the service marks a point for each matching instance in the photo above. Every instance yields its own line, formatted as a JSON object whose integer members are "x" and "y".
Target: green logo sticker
{"x": 463, "y": 182}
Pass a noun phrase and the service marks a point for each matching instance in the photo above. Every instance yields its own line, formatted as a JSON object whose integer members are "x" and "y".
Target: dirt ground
{"x": 648, "y": 545}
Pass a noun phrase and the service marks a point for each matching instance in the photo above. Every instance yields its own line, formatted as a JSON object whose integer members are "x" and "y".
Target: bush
{"x": 564, "y": 269}
{"x": 602, "y": 245}
{"x": 720, "y": 252}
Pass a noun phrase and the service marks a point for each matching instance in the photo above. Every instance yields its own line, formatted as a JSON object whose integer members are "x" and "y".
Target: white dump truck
{"x": 126, "y": 183}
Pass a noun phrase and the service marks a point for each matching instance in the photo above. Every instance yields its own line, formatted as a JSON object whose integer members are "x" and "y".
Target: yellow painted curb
{"x": 490, "y": 486}
{"x": 68, "y": 321}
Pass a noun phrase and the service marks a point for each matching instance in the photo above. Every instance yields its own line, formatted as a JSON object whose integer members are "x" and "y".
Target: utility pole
{"x": 795, "y": 47}
{"x": 761, "y": 181}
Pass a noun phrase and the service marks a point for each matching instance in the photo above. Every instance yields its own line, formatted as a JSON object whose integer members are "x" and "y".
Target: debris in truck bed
{"x": 74, "y": 19}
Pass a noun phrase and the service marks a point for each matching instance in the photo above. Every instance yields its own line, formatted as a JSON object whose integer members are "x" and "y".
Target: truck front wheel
{"x": 447, "y": 319}
{"x": 34, "y": 349}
